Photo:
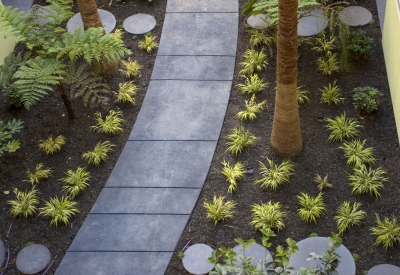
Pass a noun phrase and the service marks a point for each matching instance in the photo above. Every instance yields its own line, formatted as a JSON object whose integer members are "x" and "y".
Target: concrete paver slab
{"x": 163, "y": 164}
{"x": 355, "y": 16}
{"x": 202, "y": 6}
{"x": 33, "y": 259}
{"x": 106, "y": 263}
{"x": 129, "y": 232}
{"x": 199, "y": 34}
{"x": 313, "y": 23}
{"x": 194, "y": 67}
{"x": 195, "y": 260}
{"x": 182, "y": 110}
{"x": 139, "y": 23}
{"x": 22, "y": 5}
{"x": 384, "y": 269}
{"x": 107, "y": 19}
{"x": 146, "y": 200}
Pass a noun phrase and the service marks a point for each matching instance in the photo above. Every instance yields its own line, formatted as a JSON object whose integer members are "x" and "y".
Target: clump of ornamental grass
{"x": 252, "y": 108}
{"x": 365, "y": 180}
{"x": 126, "y": 93}
{"x": 302, "y": 95}
{"x": 59, "y": 210}
{"x": 331, "y": 94}
{"x": 273, "y": 175}
{"x": 342, "y": 127}
{"x": 348, "y": 216}
{"x": 252, "y": 85}
{"x": 51, "y": 146}
{"x": 233, "y": 174}
{"x": 254, "y": 62}
{"x": 219, "y": 210}
{"x": 131, "y": 68}
{"x": 149, "y": 43}
{"x": 322, "y": 182}
{"x": 39, "y": 174}
{"x": 267, "y": 216}
{"x": 25, "y": 203}
{"x": 239, "y": 139}
{"x": 111, "y": 125}
{"x": 261, "y": 38}
{"x": 386, "y": 231}
{"x": 356, "y": 154}
{"x": 311, "y": 208}
{"x": 99, "y": 153}
{"x": 76, "y": 182}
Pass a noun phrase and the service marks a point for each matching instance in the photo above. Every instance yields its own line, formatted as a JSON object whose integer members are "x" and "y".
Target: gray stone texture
{"x": 202, "y": 6}
{"x": 33, "y": 258}
{"x": 312, "y": 23}
{"x": 22, "y": 5}
{"x": 195, "y": 260}
{"x": 106, "y": 17}
{"x": 146, "y": 200}
{"x": 259, "y": 252}
{"x": 163, "y": 164}
{"x": 258, "y": 21}
{"x": 118, "y": 263}
{"x": 355, "y": 16}
{"x": 384, "y": 269}
{"x": 199, "y": 34}
{"x": 2, "y": 253}
{"x": 139, "y": 23}
{"x": 194, "y": 67}
{"x": 129, "y": 232}
{"x": 381, "y": 6}
{"x": 182, "y": 110}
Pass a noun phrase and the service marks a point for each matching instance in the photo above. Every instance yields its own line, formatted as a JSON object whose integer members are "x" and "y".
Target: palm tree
{"x": 286, "y": 135}
{"x": 89, "y": 14}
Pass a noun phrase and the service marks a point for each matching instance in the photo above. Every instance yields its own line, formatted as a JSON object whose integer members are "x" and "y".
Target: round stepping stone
{"x": 355, "y": 16}
{"x": 33, "y": 259}
{"x": 195, "y": 260}
{"x": 319, "y": 245}
{"x": 384, "y": 269}
{"x": 106, "y": 17}
{"x": 2, "y": 253}
{"x": 258, "y": 21}
{"x": 139, "y": 23}
{"x": 313, "y": 23}
{"x": 256, "y": 250}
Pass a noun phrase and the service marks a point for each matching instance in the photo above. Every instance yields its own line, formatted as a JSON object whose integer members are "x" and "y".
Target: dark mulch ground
{"x": 318, "y": 155}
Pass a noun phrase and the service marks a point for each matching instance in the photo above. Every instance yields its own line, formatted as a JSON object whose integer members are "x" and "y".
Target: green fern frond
{"x": 12, "y": 21}
{"x": 57, "y": 10}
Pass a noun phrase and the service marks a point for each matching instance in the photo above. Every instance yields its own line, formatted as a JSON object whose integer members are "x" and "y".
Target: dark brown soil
{"x": 318, "y": 156}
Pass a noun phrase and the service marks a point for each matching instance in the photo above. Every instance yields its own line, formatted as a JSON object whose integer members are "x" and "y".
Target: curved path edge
{"x": 138, "y": 218}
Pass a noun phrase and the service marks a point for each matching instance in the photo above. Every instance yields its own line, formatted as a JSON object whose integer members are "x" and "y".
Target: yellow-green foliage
{"x": 275, "y": 175}
{"x": 239, "y": 139}
{"x": 387, "y": 232}
{"x": 356, "y": 154}
{"x": 25, "y": 203}
{"x": 311, "y": 208}
{"x": 76, "y": 182}
{"x": 261, "y": 38}
{"x": 252, "y": 85}
{"x": 348, "y": 216}
{"x": 219, "y": 210}
{"x": 254, "y": 61}
{"x": 365, "y": 180}
{"x": 342, "y": 127}
{"x": 51, "y": 146}
{"x": 99, "y": 153}
{"x": 268, "y": 216}
{"x": 331, "y": 94}
{"x": 59, "y": 210}
{"x": 127, "y": 92}
{"x": 328, "y": 64}
{"x": 233, "y": 174}
{"x": 38, "y": 174}
{"x": 131, "y": 68}
{"x": 322, "y": 182}
{"x": 149, "y": 43}
{"x": 302, "y": 95}
{"x": 252, "y": 108}
{"x": 111, "y": 125}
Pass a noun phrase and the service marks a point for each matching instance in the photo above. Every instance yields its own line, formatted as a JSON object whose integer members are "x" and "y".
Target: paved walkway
{"x": 137, "y": 220}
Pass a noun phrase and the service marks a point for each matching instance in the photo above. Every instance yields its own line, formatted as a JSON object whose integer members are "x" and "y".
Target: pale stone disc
{"x": 107, "y": 18}
{"x": 139, "y": 23}
{"x": 355, "y": 16}
{"x": 258, "y": 21}
{"x": 195, "y": 260}
{"x": 33, "y": 259}
{"x": 312, "y": 23}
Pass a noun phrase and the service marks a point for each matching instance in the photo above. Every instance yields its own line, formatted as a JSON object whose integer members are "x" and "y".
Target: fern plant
{"x": 322, "y": 182}
{"x": 25, "y": 203}
{"x": 6, "y": 133}
{"x": 59, "y": 210}
{"x": 356, "y": 154}
{"x": 127, "y": 92}
{"x": 131, "y": 68}
{"x": 302, "y": 95}
{"x": 387, "y": 232}
{"x": 252, "y": 85}
{"x": 348, "y": 216}
{"x": 252, "y": 108}
{"x": 111, "y": 125}
{"x": 254, "y": 61}
{"x": 149, "y": 43}
{"x": 331, "y": 94}
{"x": 239, "y": 139}
{"x": 39, "y": 174}
{"x": 365, "y": 180}
{"x": 233, "y": 174}
{"x": 51, "y": 146}
{"x": 342, "y": 127}
{"x": 76, "y": 182}
{"x": 99, "y": 153}
{"x": 275, "y": 175}
{"x": 267, "y": 216}
{"x": 219, "y": 210}
{"x": 311, "y": 208}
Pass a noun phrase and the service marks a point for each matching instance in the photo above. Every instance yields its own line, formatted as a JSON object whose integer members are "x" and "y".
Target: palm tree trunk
{"x": 286, "y": 134}
{"x": 89, "y": 14}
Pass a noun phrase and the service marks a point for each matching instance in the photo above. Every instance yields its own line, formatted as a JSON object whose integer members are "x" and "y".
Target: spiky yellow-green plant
{"x": 328, "y": 64}
{"x": 322, "y": 182}
{"x": 252, "y": 85}
{"x": 254, "y": 61}
{"x": 387, "y": 232}
{"x": 302, "y": 95}
{"x": 356, "y": 154}
{"x": 25, "y": 203}
{"x": 112, "y": 124}
{"x": 60, "y": 210}
{"x": 348, "y": 216}
{"x": 219, "y": 210}
{"x": 252, "y": 108}
{"x": 311, "y": 208}
{"x": 275, "y": 175}
{"x": 233, "y": 174}
{"x": 149, "y": 43}
{"x": 267, "y": 216}
{"x": 342, "y": 127}
{"x": 127, "y": 92}
{"x": 118, "y": 33}
{"x": 131, "y": 68}
{"x": 239, "y": 139}
{"x": 99, "y": 153}
{"x": 38, "y": 174}
{"x": 51, "y": 146}
{"x": 365, "y": 180}
{"x": 76, "y": 182}
{"x": 331, "y": 94}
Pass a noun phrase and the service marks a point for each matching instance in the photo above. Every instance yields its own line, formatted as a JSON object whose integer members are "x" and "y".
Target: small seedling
{"x": 342, "y": 127}
{"x": 126, "y": 93}
{"x": 25, "y": 203}
{"x": 239, "y": 139}
{"x": 38, "y": 174}
{"x": 252, "y": 85}
{"x": 51, "y": 146}
{"x": 267, "y": 216}
{"x": 99, "y": 153}
{"x": 59, "y": 210}
{"x": 311, "y": 208}
{"x": 111, "y": 125}
{"x": 252, "y": 108}
{"x": 233, "y": 174}
{"x": 275, "y": 175}
{"x": 219, "y": 210}
{"x": 366, "y": 180}
{"x": 322, "y": 182}
{"x": 149, "y": 43}
{"x": 348, "y": 216}
{"x": 76, "y": 182}
{"x": 181, "y": 255}
{"x": 387, "y": 232}
{"x": 131, "y": 68}
{"x": 6, "y": 132}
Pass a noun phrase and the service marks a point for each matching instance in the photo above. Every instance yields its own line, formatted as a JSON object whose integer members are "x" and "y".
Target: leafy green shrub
{"x": 127, "y": 92}
{"x": 302, "y": 95}
{"x": 38, "y": 174}
{"x": 59, "y": 210}
{"x": 252, "y": 109}
{"x": 111, "y": 125}
{"x": 356, "y": 154}
{"x": 6, "y": 132}
{"x": 310, "y": 208}
{"x": 275, "y": 175}
{"x": 360, "y": 44}
{"x": 51, "y": 146}
{"x": 25, "y": 203}
{"x": 76, "y": 182}
{"x": 322, "y": 182}
{"x": 348, "y": 216}
{"x": 261, "y": 38}
{"x": 219, "y": 210}
{"x": 254, "y": 61}
{"x": 366, "y": 180}
{"x": 387, "y": 231}
{"x": 331, "y": 94}
{"x": 149, "y": 43}
{"x": 131, "y": 68}
{"x": 267, "y": 216}
{"x": 233, "y": 174}
{"x": 99, "y": 153}
{"x": 328, "y": 64}
{"x": 239, "y": 139}
{"x": 252, "y": 85}
{"x": 366, "y": 99}
{"x": 342, "y": 127}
